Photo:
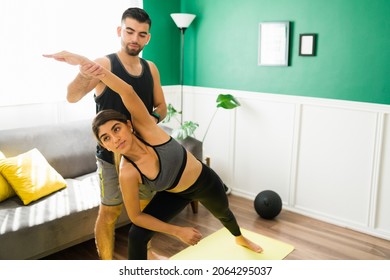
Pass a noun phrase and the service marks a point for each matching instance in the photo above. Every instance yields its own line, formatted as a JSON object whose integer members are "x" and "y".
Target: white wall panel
{"x": 335, "y": 162}
{"x": 383, "y": 194}
{"x": 263, "y": 151}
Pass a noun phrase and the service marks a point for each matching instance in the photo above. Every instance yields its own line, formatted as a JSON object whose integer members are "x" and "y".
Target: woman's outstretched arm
{"x": 141, "y": 119}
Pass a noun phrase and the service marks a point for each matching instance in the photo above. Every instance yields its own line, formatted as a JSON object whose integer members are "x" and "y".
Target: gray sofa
{"x": 66, "y": 217}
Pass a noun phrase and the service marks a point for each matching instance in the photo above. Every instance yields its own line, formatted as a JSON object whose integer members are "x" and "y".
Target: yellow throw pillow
{"x": 31, "y": 176}
{"x": 6, "y": 191}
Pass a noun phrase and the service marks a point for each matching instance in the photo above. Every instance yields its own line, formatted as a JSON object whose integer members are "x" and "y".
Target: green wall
{"x": 164, "y": 46}
{"x": 352, "y": 58}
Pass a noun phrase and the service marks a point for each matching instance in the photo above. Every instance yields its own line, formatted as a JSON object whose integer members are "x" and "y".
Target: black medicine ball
{"x": 268, "y": 204}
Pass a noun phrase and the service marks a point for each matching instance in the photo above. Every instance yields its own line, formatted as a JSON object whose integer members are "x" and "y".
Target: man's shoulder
{"x": 149, "y": 63}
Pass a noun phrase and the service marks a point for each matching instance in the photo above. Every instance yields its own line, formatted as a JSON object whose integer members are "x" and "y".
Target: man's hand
{"x": 90, "y": 71}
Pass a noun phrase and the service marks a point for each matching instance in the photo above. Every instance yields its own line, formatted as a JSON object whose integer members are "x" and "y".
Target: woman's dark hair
{"x": 138, "y": 14}
{"x": 104, "y": 116}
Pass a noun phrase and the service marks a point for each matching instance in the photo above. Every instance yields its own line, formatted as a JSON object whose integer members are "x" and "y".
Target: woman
{"x": 152, "y": 158}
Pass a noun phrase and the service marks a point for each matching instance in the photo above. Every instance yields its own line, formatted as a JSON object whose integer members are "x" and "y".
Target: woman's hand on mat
{"x": 189, "y": 235}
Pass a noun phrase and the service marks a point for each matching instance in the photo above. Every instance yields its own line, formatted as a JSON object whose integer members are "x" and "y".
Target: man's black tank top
{"x": 109, "y": 99}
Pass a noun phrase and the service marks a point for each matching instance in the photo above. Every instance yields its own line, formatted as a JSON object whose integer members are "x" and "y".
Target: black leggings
{"x": 208, "y": 190}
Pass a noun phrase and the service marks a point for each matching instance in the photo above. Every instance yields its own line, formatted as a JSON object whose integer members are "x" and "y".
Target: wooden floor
{"x": 312, "y": 239}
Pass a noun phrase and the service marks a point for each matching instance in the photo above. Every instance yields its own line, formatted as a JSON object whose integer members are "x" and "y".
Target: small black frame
{"x": 307, "y": 44}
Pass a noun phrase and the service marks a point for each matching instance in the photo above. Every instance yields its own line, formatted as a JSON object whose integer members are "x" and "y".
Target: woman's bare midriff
{"x": 190, "y": 174}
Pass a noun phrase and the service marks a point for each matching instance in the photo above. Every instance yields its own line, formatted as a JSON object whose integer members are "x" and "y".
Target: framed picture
{"x": 307, "y": 43}
{"x": 273, "y": 46}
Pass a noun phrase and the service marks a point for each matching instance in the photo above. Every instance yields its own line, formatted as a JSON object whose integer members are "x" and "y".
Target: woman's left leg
{"x": 209, "y": 190}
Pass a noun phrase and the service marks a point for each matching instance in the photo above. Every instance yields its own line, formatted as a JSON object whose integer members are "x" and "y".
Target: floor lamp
{"x": 182, "y": 21}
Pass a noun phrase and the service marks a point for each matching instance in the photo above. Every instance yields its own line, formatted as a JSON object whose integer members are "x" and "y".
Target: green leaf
{"x": 187, "y": 129}
{"x": 227, "y": 101}
{"x": 171, "y": 113}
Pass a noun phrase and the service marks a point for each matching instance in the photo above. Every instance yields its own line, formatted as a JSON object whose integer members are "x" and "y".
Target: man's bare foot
{"x": 154, "y": 256}
{"x": 243, "y": 241}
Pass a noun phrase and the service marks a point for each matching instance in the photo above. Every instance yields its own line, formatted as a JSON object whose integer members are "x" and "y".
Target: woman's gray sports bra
{"x": 172, "y": 159}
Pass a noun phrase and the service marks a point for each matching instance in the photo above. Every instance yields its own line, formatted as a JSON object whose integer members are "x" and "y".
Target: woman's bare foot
{"x": 243, "y": 241}
{"x": 154, "y": 256}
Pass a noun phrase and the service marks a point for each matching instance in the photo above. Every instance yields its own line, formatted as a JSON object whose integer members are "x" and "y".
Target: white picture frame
{"x": 273, "y": 48}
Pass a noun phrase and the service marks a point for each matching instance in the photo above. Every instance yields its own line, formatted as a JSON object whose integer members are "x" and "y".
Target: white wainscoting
{"x": 381, "y": 196}
{"x": 328, "y": 159}
{"x": 29, "y": 115}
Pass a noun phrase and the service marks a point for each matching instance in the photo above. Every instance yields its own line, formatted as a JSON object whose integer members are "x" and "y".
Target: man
{"x": 144, "y": 77}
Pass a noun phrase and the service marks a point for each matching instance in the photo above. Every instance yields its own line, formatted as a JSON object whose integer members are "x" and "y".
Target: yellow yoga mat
{"x": 221, "y": 246}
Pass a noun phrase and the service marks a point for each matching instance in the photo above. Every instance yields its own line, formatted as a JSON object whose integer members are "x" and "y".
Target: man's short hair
{"x": 138, "y": 14}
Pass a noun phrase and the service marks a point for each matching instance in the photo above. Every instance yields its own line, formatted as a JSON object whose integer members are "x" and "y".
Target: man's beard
{"x": 133, "y": 52}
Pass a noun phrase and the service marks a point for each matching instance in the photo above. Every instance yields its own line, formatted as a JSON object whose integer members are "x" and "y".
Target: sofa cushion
{"x": 69, "y": 147}
{"x": 79, "y": 195}
{"x": 31, "y": 176}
